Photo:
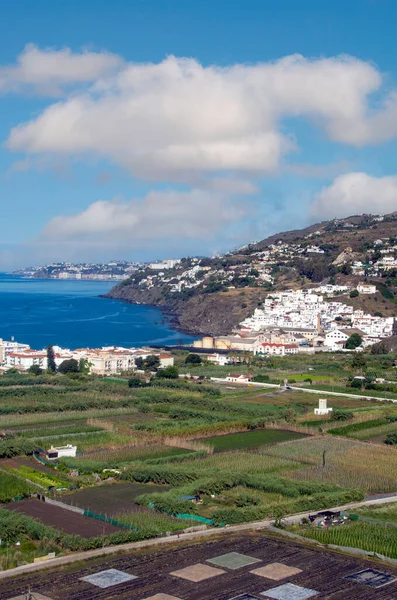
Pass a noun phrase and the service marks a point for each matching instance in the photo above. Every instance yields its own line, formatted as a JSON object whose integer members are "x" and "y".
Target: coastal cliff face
{"x": 206, "y": 314}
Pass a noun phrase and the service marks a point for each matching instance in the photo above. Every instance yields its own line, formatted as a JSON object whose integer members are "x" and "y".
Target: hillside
{"x": 212, "y": 295}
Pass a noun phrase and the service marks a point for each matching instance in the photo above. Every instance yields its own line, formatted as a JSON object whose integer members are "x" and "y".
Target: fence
{"x": 74, "y": 509}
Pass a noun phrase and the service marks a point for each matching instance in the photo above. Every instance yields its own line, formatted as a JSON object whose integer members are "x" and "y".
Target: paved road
{"x": 302, "y": 389}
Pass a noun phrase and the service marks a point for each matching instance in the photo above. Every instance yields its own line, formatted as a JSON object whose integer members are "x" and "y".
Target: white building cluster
{"x": 321, "y": 323}
{"x": 109, "y": 360}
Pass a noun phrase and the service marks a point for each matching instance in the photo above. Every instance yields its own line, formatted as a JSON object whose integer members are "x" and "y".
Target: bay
{"x": 71, "y": 314}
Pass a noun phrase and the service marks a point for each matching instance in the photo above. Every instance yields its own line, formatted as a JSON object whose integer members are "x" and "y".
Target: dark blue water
{"x": 71, "y": 314}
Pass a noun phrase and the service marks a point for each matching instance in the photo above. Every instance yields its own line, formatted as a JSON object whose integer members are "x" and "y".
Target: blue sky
{"x": 154, "y": 128}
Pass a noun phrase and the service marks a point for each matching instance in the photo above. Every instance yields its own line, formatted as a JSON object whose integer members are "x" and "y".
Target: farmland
{"x": 252, "y": 439}
{"x": 372, "y": 537}
{"x": 145, "y": 455}
{"x": 157, "y": 572}
{"x": 54, "y": 516}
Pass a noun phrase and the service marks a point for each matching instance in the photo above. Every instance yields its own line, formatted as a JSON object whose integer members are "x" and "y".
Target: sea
{"x": 72, "y": 314}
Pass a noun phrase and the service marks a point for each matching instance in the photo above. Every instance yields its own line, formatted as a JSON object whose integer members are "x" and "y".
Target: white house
{"x": 218, "y": 359}
{"x": 366, "y": 288}
{"x": 335, "y": 339}
{"x": 238, "y": 378}
{"x": 322, "y": 407}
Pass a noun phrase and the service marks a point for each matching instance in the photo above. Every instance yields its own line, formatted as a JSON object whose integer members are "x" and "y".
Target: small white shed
{"x": 322, "y": 407}
{"x": 59, "y": 451}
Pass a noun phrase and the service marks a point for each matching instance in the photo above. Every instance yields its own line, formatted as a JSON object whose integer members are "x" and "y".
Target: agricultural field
{"x": 266, "y": 563}
{"x": 111, "y": 499}
{"x": 12, "y": 487}
{"x": 347, "y": 462}
{"x": 251, "y": 439}
{"x": 163, "y": 458}
{"x": 59, "y": 518}
{"x": 386, "y": 513}
{"x": 372, "y": 537}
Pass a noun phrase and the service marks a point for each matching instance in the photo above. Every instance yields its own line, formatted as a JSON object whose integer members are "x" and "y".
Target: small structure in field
{"x": 60, "y": 451}
{"x": 237, "y": 378}
{"x": 322, "y": 407}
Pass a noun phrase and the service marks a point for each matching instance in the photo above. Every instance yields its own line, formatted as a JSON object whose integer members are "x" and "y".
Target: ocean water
{"x": 71, "y": 314}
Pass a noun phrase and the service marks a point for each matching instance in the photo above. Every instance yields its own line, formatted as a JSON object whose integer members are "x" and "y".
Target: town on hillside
{"x": 306, "y": 321}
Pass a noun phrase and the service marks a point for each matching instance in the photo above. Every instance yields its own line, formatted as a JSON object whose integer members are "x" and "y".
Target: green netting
{"x": 104, "y": 519}
{"x": 41, "y": 460}
{"x": 197, "y": 518}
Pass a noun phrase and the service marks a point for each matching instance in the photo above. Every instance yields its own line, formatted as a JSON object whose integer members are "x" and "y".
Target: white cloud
{"x": 195, "y": 214}
{"x": 356, "y": 193}
{"x": 46, "y": 71}
{"x": 175, "y": 119}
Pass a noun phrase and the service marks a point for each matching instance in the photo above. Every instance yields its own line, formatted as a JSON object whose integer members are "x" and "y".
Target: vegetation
{"x": 249, "y": 453}
{"x": 70, "y": 365}
{"x": 251, "y": 439}
{"x": 372, "y": 537}
{"x": 354, "y": 341}
{"x": 51, "y": 365}
{"x": 12, "y": 487}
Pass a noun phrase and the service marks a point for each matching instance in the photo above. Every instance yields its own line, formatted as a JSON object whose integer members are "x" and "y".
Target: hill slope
{"x": 212, "y": 295}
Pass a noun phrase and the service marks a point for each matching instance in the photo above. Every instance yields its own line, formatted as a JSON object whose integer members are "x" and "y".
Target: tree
{"x": 359, "y": 361}
{"x": 35, "y": 370}
{"x": 170, "y": 372}
{"x": 391, "y": 439}
{"x": 139, "y": 363}
{"x": 354, "y": 294}
{"x": 354, "y": 341}
{"x": 69, "y": 366}
{"x": 51, "y": 365}
{"x": 84, "y": 365}
{"x": 357, "y": 384}
{"x": 193, "y": 359}
{"x": 151, "y": 362}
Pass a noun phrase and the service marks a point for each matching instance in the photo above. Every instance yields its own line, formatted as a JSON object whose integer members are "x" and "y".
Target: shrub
{"x": 170, "y": 372}
{"x": 135, "y": 382}
{"x": 342, "y": 415}
{"x": 354, "y": 294}
{"x": 391, "y": 439}
{"x": 193, "y": 359}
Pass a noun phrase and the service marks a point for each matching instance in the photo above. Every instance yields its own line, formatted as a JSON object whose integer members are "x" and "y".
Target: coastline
{"x": 169, "y": 314}
{"x": 73, "y": 314}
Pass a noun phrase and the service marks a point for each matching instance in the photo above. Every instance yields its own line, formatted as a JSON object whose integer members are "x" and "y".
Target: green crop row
{"x": 13, "y": 487}
{"x": 353, "y": 427}
{"x": 372, "y": 537}
{"x": 43, "y": 479}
